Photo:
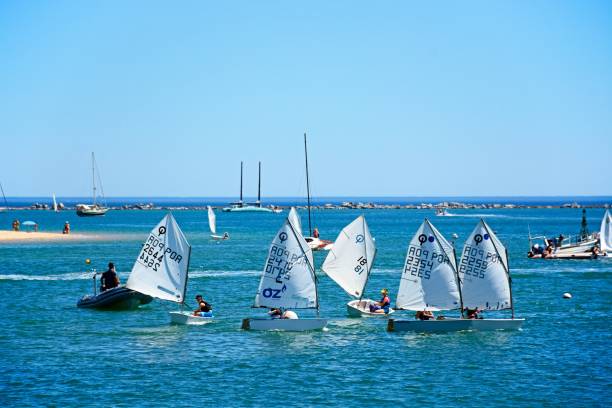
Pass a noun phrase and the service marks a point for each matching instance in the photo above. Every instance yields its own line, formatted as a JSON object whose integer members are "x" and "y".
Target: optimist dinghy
{"x": 288, "y": 281}
{"x": 161, "y": 270}
{"x": 431, "y": 281}
{"x": 212, "y": 223}
{"x": 349, "y": 264}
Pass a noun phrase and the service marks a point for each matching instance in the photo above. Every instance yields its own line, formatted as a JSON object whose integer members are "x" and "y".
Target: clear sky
{"x": 398, "y": 98}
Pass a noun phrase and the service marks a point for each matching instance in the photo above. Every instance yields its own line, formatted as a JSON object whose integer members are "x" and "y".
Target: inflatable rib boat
{"x": 119, "y": 298}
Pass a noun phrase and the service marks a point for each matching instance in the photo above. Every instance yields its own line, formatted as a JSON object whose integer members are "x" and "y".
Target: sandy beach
{"x": 24, "y": 236}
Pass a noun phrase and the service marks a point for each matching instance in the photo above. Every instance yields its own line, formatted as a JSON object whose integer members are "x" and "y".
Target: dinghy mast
{"x": 370, "y": 264}
{"x": 310, "y": 267}
{"x": 505, "y": 266}
{"x": 241, "y": 165}
{"x": 307, "y": 186}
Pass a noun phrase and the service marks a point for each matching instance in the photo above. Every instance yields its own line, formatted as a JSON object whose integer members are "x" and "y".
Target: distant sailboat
{"x": 55, "y": 208}
{"x": 93, "y": 209}
{"x": 239, "y": 206}
{"x": 5, "y": 208}
{"x": 605, "y": 235}
{"x": 350, "y": 262}
{"x": 431, "y": 281}
{"x": 162, "y": 267}
{"x": 212, "y": 223}
{"x": 288, "y": 281}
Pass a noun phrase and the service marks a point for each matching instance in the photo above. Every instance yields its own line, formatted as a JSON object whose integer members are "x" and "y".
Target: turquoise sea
{"x": 54, "y": 354}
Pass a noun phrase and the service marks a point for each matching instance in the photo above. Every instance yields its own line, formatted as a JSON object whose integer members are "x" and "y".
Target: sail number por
{"x": 475, "y": 261}
{"x": 420, "y": 262}
{"x": 153, "y": 252}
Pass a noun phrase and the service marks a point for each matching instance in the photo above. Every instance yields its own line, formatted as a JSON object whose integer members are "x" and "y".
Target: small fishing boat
{"x": 605, "y": 235}
{"x": 564, "y": 247}
{"x": 288, "y": 281}
{"x": 349, "y": 264}
{"x": 162, "y": 267}
{"x": 431, "y": 282}
{"x": 239, "y": 206}
{"x": 94, "y": 209}
{"x": 212, "y": 224}
{"x": 441, "y": 212}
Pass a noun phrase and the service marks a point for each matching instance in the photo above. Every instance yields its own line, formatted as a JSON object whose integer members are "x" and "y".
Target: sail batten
{"x": 429, "y": 277}
{"x": 288, "y": 279}
{"x": 484, "y": 273}
{"x": 162, "y": 266}
{"x": 350, "y": 260}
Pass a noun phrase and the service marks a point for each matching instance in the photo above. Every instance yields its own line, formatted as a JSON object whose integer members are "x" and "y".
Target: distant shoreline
{"x": 331, "y": 206}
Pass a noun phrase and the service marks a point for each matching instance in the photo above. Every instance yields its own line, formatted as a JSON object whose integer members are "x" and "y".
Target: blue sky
{"x": 398, "y": 98}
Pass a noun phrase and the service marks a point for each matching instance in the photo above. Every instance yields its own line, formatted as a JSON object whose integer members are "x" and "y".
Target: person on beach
{"x": 424, "y": 315}
{"x": 16, "y": 225}
{"x": 383, "y": 305}
{"x": 66, "y": 229}
{"x": 109, "y": 278}
{"x": 204, "y": 308}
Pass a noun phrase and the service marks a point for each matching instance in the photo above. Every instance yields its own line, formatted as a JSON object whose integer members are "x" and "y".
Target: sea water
{"x": 53, "y": 353}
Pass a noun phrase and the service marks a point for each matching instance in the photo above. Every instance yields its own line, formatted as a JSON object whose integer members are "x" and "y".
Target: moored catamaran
{"x": 288, "y": 281}
{"x": 432, "y": 281}
{"x": 240, "y": 205}
{"x": 349, "y": 263}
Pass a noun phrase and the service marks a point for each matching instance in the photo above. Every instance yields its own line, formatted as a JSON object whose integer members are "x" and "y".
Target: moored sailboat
{"x": 605, "y": 235}
{"x": 93, "y": 209}
{"x": 349, "y": 264}
{"x": 288, "y": 281}
{"x": 432, "y": 281}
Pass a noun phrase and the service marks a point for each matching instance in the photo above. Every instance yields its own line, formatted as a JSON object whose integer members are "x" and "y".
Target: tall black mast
{"x": 241, "y": 184}
{"x": 259, "y": 187}
{"x": 307, "y": 185}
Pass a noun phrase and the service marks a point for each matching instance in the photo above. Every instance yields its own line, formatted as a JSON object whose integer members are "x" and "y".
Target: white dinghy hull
{"x": 359, "y": 308}
{"x": 188, "y": 318}
{"x": 284, "y": 324}
{"x": 452, "y": 325}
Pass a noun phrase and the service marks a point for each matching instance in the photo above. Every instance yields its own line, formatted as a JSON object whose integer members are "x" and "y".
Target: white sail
{"x": 54, "y": 203}
{"x": 288, "y": 279}
{"x": 429, "y": 278}
{"x": 350, "y": 260}
{"x": 483, "y": 270}
{"x": 294, "y": 217}
{"x": 212, "y": 220}
{"x": 605, "y": 233}
{"x": 161, "y": 267}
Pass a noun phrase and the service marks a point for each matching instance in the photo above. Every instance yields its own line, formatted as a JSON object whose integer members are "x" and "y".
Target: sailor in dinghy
{"x": 161, "y": 270}
{"x": 349, "y": 264}
{"x": 288, "y": 281}
{"x": 430, "y": 281}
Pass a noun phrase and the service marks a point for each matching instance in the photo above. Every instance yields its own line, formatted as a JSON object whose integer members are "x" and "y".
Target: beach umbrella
{"x": 28, "y": 223}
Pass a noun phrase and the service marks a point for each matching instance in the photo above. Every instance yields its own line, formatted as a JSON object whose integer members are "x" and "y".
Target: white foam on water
{"x": 56, "y": 277}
